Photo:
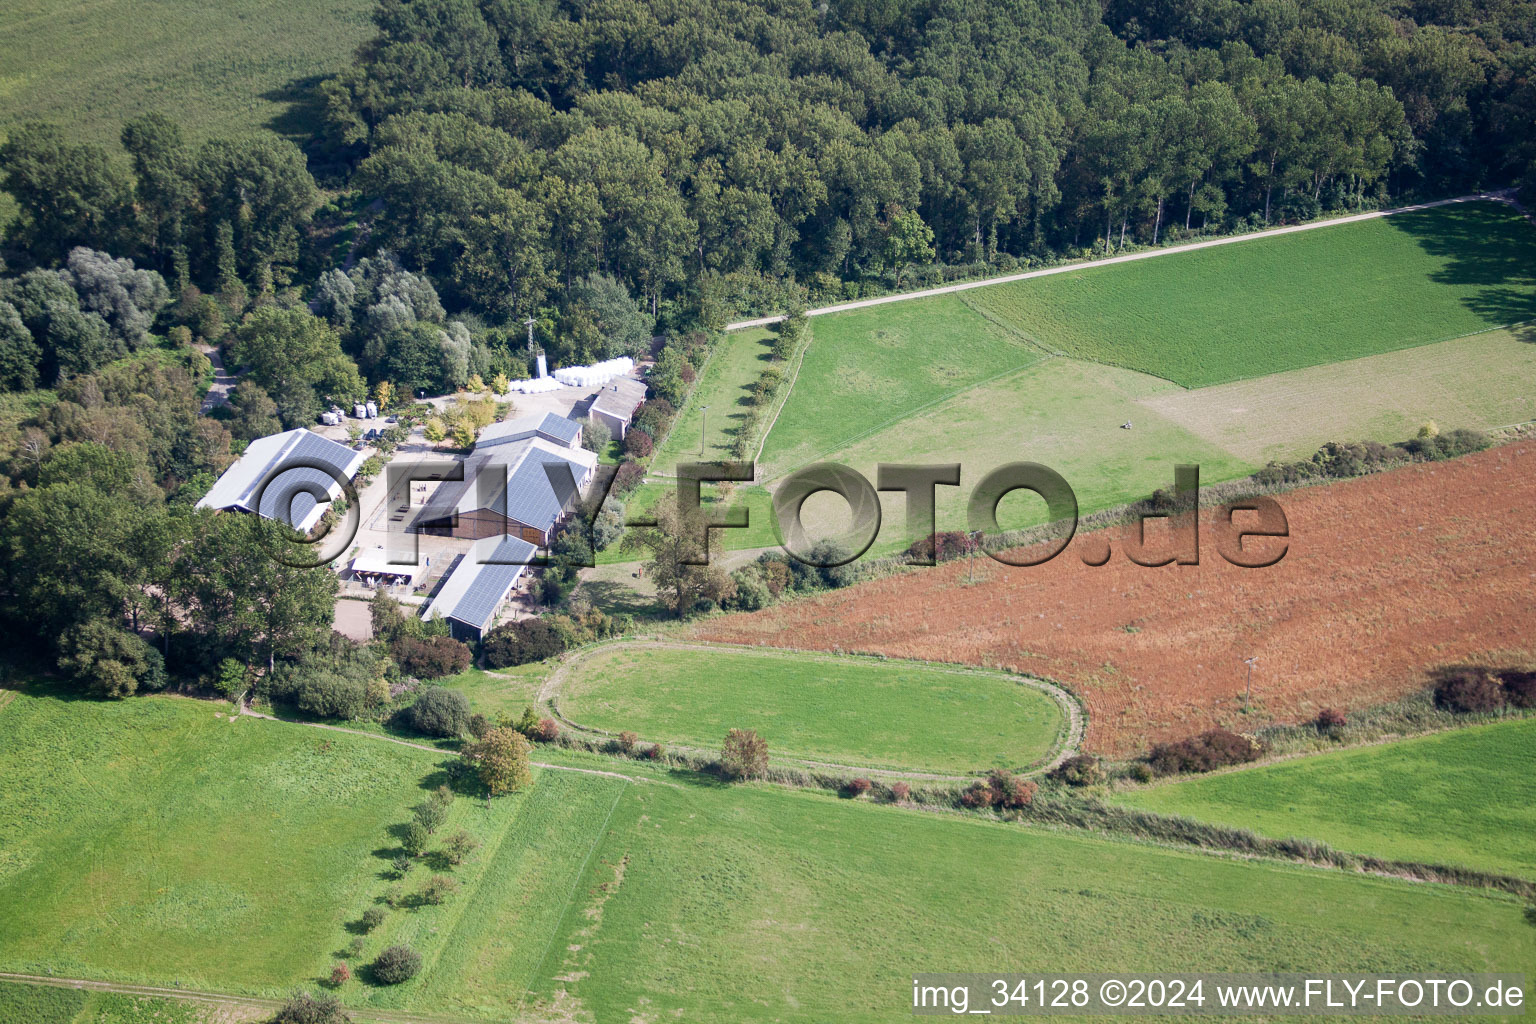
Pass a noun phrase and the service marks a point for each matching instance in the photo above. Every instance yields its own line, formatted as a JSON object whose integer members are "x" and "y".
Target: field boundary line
{"x": 433, "y": 750}
{"x": 1066, "y": 744}
{"x": 602, "y": 831}
{"x": 1497, "y": 196}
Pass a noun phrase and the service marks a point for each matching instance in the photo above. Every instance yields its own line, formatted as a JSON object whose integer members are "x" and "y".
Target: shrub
{"x": 1330, "y": 719}
{"x": 1210, "y": 750}
{"x": 479, "y": 725}
{"x": 431, "y": 815}
{"x": 355, "y": 947}
{"x": 858, "y": 787}
{"x": 397, "y": 964}
{"x": 459, "y": 845}
{"x": 744, "y": 754}
{"x": 1466, "y": 690}
{"x": 439, "y": 712}
{"x": 528, "y": 723}
{"x": 627, "y": 477}
{"x": 430, "y": 657}
{"x": 549, "y": 730}
{"x": 519, "y": 643}
{"x": 372, "y": 918}
{"x": 1010, "y": 791}
{"x": 1520, "y": 688}
{"x": 438, "y": 889}
{"x": 977, "y": 794}
{"x": 638, "y": 444}
{"x": 340, "y": 975}
{"x": 900, "y": 792}
{"x": 415, "y": 839}
{"x": 627, "y": 742}
{"x": 401, "y": 865}
{"x": 1140, "y": 772}
{"x": 656, "y": 752}
{"x": 1079, "y": 770}
{"x": 303, "y": 1008}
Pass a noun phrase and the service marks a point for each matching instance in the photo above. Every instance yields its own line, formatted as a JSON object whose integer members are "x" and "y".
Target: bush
{"x": 500, "y": 761}
{"x": 627, "y": 741}
{"x": 1330, "y": 719}
{"x": 656, "y": 752}
{"x": 900, "y": 792}
{"x": 340, "y": 975}
{"x": 626, "y": 478}
{"x": 397, "y": 964}
{"x": 439, "y": 712}
{"x": 479, "y": 725}
{"x": 977, "y": 794}
{"x": 1520, "y": 688}
{"x": 858, "y": 787}
{"x": 1467, "y": 690}
{"x": 372, "y": 918}
{"x": 549, "y": 730}
{"x": 304, "y": 1008}
{"x": 1009, "y": 791}
{"x": 1079, "y": 770}
{"x": 431, "y": 815}
{"x": 430, "y": 657}
{"x": 1208, "y": 751}
{"x": 744, "y": 755}
{"x": 459, "y": 846}
{"x": 438, "y": 889}
{"x": 519, "y": 643}
{"x": 415, "y": 839}
{"x": 1140, "y": 772}
{"x": 638, "y": 444}
{"x": 401, "y": 865}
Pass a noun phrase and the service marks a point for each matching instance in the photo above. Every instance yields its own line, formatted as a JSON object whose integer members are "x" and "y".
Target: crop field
{"x": 1385, "y": 576}
{"x": 1242, "y": 311}
{"x": 217, "y": 68}
{"x": 843, "y": 710}
{"x": 1464, "y": 798}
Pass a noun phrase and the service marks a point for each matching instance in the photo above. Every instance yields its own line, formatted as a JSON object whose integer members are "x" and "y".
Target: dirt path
{"x": 258, "y": 1007}
{"x": 1502, "y": 196}
{"x": 247, "y": 712}
{"x": 223, "y": 380}
{"x": 1071, "y": 708}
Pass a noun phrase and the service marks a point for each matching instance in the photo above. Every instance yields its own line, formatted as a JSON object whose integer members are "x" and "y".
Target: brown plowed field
{"x": 1385, "y": 577}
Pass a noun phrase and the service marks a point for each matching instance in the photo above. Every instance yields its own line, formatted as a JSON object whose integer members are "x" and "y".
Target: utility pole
{"x": 530, "y": 322}
{"x": 1248, "y": 692}
{"x": 703, "y": 430}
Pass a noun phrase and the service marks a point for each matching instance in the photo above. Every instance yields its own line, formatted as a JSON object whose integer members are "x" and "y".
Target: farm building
{"x": 615, "y": 404}
{"x": 479, "y": 585}
{"x": 523, "y": 488}
{"x": 552, "y": 428}
{"x": 280, "y": 476}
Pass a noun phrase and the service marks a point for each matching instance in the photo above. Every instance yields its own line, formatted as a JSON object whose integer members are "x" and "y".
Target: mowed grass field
{"x": 1267, "y": 305}
{"x": 725, "y": 385}
{"x": 874, "y": 378}
{"x": 845, "y": 710}
{"x": 763, "y": 904}
{"x": 148, "y": 841}
{"x": 1464, "y": 798}
{"x": 216, "y": 68}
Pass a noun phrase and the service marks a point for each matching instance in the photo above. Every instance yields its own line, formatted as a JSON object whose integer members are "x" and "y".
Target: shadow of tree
{"x": 1488, "y": 247}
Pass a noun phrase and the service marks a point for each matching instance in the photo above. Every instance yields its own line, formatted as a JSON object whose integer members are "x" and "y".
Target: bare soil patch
{"x": 1385, "y": 576}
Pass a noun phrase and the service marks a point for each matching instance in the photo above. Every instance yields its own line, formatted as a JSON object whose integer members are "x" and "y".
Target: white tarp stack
{"x": 595, "y": 375}
{"x": 535, "y": 385}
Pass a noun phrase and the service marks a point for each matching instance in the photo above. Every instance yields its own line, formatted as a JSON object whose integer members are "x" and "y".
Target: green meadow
{"x": 217, "y": 68}
{"x": 1195, "y": 319}
{"x": 149, "y": 841}
{"x": 846, "y": 710}
{"x": 1464, "y": 798}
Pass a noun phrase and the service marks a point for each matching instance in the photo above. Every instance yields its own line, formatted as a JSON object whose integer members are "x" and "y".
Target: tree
{"x": 674, "y": 544}
{"x": 500, "y": 761}
{"x": 520, "y": 642}
{"x": 415, "y": 838}
{"x": 397, "y": 964}
{"x": 459, "y": 846}
{"x": 372, "y": 918}
{"x": 109, "y": 660}
{"x": 430, "y": 657}
{"x": 438, "y": 889}
{"x": 20, "y": 356}
{"x": 297, "y": 359}
{"x": 744, "y": 755}
{"x": 254, "y": 414}
{"x": 66, "y": 194}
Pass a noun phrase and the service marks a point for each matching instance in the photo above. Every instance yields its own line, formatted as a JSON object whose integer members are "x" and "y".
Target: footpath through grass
{"x": 844, "y": 710}
{"x": 1461, "y": 798}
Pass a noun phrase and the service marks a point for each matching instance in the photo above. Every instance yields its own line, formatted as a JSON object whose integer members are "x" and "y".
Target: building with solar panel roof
{"x": 287, "y": 477}
{"x": 522, "y": 488}
{"x": 476, "y": 590}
